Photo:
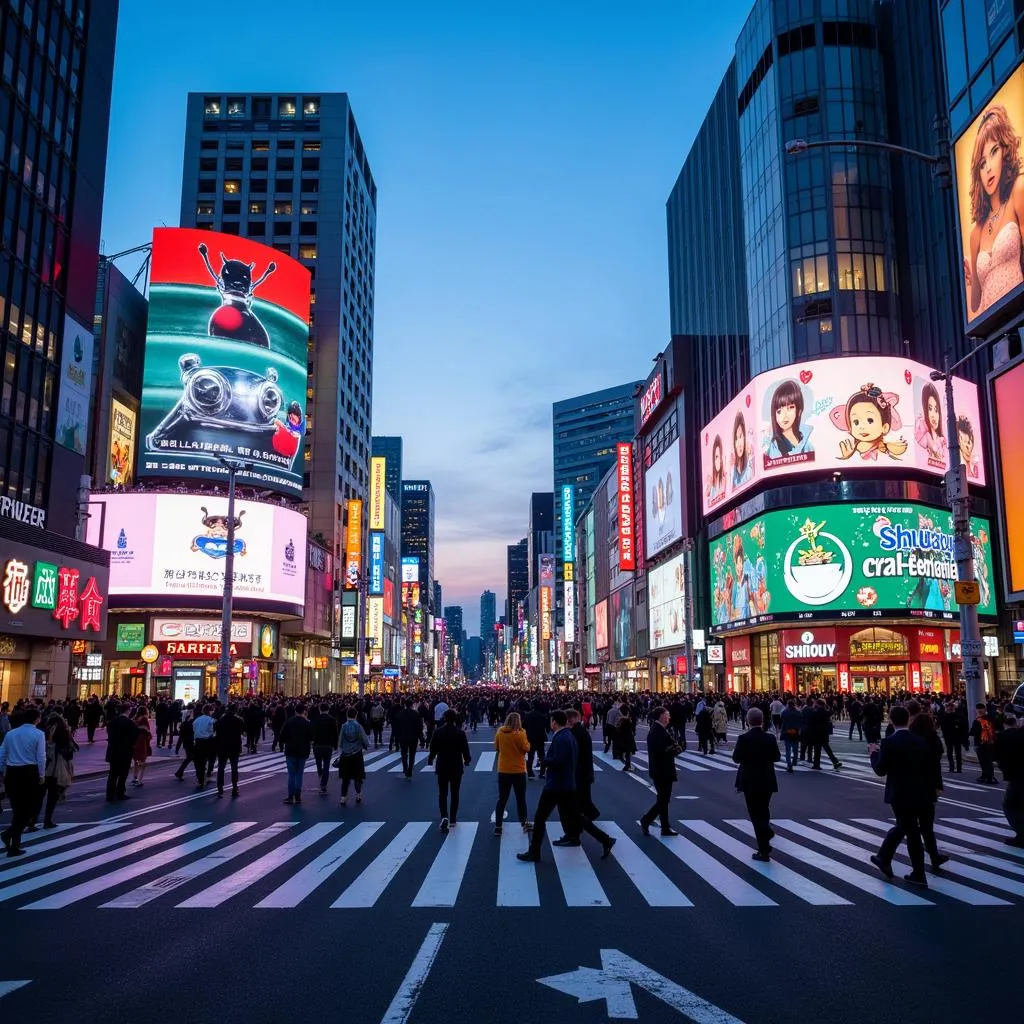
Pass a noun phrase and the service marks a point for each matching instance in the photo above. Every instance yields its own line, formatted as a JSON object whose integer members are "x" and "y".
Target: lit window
{"x": 204, "y": 210}
{"x": 211, "y": 106}
{"x": 236, "y": 106}
{"x": 307, "y": 252}
{"x": 258, "y": 207}
{"x": 311, "y": 106}
{"x": 308, "y": 208}
{"x": 261, "y": 146}
{"x": 286, "y": 106}
{"x": 311, "y": 146}
{"x": 284, "y": 209}
{"x": 232, "y": 186}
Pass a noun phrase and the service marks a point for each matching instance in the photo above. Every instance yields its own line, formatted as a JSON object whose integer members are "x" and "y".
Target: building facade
{"x": 418, "y": 511}
{"x": 540, "y": 540}
{"x": 390, "y": 448}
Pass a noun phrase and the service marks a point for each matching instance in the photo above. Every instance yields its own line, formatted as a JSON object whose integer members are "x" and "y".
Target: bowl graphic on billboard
{"x": 818, "y": 565}
{"x": 214, "y": 542}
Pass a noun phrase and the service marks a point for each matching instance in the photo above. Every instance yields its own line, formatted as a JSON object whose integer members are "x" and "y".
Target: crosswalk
{"x": 355, "y": 864}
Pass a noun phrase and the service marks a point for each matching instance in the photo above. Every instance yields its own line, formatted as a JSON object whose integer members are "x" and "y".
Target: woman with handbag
{"x": 143, "y": 747}
{"x": 59, "y": 773}
{"x": 351, "y": 769}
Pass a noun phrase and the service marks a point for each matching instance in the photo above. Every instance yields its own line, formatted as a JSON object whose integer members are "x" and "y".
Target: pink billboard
{"x": 849, "y": 414}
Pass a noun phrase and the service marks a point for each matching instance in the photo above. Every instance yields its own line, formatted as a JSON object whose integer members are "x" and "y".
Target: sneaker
{"x": 344, "y": 801}
{"x": 759, "y": 856}
{"x": 837, "y": 766}
{"x": 32, "y": 828}
{"x": 180, "y": 778}
{"x": 527, "y": 826}
{"x": 883, "y": 865}
{"x": 288, "y": 800}
{"x": 452, "y": 823}
{"x": 645, "y": 828}
{"x": 444, "y": 824}
{"x": 323, "y": 791}
{"x": 359, "y": 798}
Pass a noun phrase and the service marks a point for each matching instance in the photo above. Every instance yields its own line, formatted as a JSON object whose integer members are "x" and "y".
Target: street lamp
{"x": 224, "y": 665}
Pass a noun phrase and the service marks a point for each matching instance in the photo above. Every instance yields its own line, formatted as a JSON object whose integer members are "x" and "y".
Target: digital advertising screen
{"x": 666, "y": 604}
{"x": 121, "y": 456}
{"x": 620, "y": 609}
{"x": 73, "y": 408}
{"x": 601, "y": 625}
{"x": 990, "y": 191}
{"x": 850, "y": 414}
{"x": 663, "y": 501}
{"x": 857, "y": 560}
{"x": 1008, "y": 423}
{"x": 225, "y": 369}
{"x": 173, "y": 546}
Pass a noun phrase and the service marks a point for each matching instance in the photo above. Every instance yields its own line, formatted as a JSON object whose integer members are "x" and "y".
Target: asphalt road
{"x": 178, "y": 905}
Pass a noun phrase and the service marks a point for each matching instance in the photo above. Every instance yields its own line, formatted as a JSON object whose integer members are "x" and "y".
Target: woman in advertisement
{"x": 993, "y": 268}
{"x": 742, "y": 462}
{"x": 928, "y": 429}
{"x": 789, "y": 436}
{"x": 716, "y": 482}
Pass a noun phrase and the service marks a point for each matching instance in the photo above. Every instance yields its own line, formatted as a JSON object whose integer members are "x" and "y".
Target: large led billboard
{"x": 663, "y": 501}
{"x": 666, "y": 604}
{"x": 72, "y": 427}
{"x": 990, "y": 201}
{"x": 620, "y": 610}
{"x": 225, "y": 369}
{"x": 121, "y": 459}
{"x": 173, "y": 546}
{"x": 849, "y": 415}
{"x": 601, "y": 625}
{"x": 858, "y": 560}
{"x": 1008, "y": 426}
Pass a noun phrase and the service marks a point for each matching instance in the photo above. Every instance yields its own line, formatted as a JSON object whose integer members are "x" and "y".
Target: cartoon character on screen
{"x": 928, "y": 429}
{"x": 869, "y": 417}
{"x": 979, "y": 546}
{"x": 789, "y": 437}
{"x": 742, "y": 459}
{"x": 965, "y": 438}
{"x": 288, "y": 435}
{"x": 722, "y": 588}
{"x": 748, "y": 582}
{"x": 715, "y": 488}
{"x": 235, "y": 318}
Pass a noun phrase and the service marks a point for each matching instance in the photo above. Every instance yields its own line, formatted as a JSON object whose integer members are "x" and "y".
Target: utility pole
{"x": 688, "y": 547}
{"x": 224, "y": 665}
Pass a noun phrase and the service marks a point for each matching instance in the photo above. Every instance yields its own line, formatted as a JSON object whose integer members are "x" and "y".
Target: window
{"x": 282, "y": 227}
{"x": 311, "y": 146}
{"x": 311, "y": 163}
{"x": 284, "y": 184}
{"x": 258, "y": 207}
{"x": 256, "y": 228}
{"x": 211, "y": 106}
{"x": 232, "y": 207}
{"x": 207, "y": 185}
{"x": 261, "y": 145}
{"x": 307, "y": 252}
{"x": 233, "y": 163}
{"x": 310, "y": 185}
{"x": 286, "y": 106}
{"x": 259, "y": 163}
{"x": 230, "y": 228}
{"x": 204, "y": 210}
{"x": 208, "y": 144}
{"x": 232, "y": 186}
{"x": 236, "y": 106}
{"x": 286, "y": 163}
{"x": 311, "y": 106}
{"x": 286, "y": 144}
{"x": 258, "y": 186}
{"x": 261, "y": 106}
{"x": 208, "y": 163}
{"x": 307, "y": 228}
{"x": 308, "y": 208}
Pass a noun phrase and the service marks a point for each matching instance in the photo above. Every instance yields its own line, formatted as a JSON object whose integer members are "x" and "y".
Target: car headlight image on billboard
{"x": 225, "y": 370}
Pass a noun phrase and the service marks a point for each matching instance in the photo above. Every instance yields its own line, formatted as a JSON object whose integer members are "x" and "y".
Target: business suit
{"x": 586, "y": 812}
{"x": 121, "y": 735}
{"x": 756, "y": 752}
{"x": 661, "y": 760}
{"x": 904, "y": 760}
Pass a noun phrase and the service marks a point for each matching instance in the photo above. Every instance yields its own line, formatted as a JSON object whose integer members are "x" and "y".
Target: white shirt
{"x": 202, "y": 728}
{"x": 23, "y": 747}
{"x": 440, "y": 710}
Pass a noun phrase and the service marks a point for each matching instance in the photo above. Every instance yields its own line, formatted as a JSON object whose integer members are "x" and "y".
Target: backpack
{"x": 376, "y": 713}
{"x": 988, "y": 732}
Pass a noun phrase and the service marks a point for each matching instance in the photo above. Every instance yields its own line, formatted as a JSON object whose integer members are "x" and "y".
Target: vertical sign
{"x": 120, "y": 468}
{"x": 568, "y": 524}
{"x": 378, "y": 466}
{"x": 547, "y": 593}
{"x": 353, "y": 543}
{"x": 376, "y": 563}
{"x": 75, "y": 385}
{"x": 627, "y": 553}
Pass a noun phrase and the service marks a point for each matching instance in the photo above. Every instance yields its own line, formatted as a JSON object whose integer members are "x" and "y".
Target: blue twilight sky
{"x": 523, "y": 158}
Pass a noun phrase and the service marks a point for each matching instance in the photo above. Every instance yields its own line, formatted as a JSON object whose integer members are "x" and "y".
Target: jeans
{"x": 759, "y": 810}
{"x": 443, "y": 784}
{"x": 296, "y": 766}
{"x": 792, "y": 751}
{"x": 509, "y": 783}
{"x": 223, "y": 758}
{"x": 322, "y": 753}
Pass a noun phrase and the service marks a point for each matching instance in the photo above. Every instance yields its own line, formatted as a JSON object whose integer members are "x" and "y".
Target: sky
{"x": 523, "y": 159}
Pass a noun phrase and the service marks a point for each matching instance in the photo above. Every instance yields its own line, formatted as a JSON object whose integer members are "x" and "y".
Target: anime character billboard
{"x": 225, "y": 370}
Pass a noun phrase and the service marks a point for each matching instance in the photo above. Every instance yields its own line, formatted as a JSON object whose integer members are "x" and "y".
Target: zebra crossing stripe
{"x": 45, "y": 842}
{"x": 517, "y": 882}
{"x": 31, "y": 866}
{"x": 994, "y": 830}
{"x": 681, "y": 762}
{"x": 947, "y": 887}
{"x": 39, "y": 837}
{"x": 577, "y": 876}
{"x": 708, "y": 760}
{"x": 368, "y": 887}
{"x": 985, "y": 841}
{"x": 858, "y": 879}
{"x": 651, "y": 882}
{"x": 803, "y": 888}
{"x": 313, "y": 875}
{"x": 612, "y": 764}
{"x": 143, "y": 867}
{"x": 444, "y": 879}
{"x": 381, "y": 762}
{"x": 420, "y": 757}
{"x": 485, "y": 761}
{"x": 102, "y": 860}
{"x": 223, "y": 890}
{"x": 152, "y": 890}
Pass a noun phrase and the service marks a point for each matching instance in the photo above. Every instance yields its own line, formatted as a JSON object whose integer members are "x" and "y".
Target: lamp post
{"x": 224, "y": 665}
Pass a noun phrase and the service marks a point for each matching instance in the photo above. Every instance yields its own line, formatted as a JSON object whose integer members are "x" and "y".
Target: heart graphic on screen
{"x": 747, "y": 400}
{"x": 907, "y": 376}
{"x": 705, "y": 438}
{"x": 805, "y": 376}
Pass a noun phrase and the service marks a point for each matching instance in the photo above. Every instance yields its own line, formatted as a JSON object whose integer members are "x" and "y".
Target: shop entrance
{"x": 816, "y": 679}
{"x": 880, "y": 679}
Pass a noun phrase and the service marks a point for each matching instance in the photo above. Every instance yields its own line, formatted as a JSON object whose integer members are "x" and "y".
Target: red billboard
{"x": 627, "y": 551}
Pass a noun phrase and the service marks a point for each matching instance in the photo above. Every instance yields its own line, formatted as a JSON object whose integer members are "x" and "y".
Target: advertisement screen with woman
{"x": 990, "y": 198}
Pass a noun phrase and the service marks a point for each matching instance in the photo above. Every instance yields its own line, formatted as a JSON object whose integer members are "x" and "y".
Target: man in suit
{"x": 121, "y": 734}
{"x": 756, "y": 752}
{"x": 407, "y": 731}
{"x": 559, "y": 789}
{"x": 1009, "y": 755}
{"x": 903, "y": 759}
{"x": 661, "y": 764}
{"x": 535, "y": 723}
{"x": 227, "y": 738}
{"x": 586, "y": 811}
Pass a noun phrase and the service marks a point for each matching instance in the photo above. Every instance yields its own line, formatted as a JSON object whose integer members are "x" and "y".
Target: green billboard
{"x": 850, "y": 561}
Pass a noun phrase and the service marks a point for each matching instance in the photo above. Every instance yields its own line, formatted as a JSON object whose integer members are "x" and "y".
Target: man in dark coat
{"x": 121, "y": 734}
{"x": 535, "y": 723}
{"x": 584, "y": 804}
{"x": 227, "y": 737}
{"x": 407, "y": 730}
{"x": 821, "y": 731}
{"x": 92, "y": 714}
{"x": 756, "y": 752}
{"x": 661, "y": 761}
{"x": 559, "y": 788}
{"x": 1009, "y": 755}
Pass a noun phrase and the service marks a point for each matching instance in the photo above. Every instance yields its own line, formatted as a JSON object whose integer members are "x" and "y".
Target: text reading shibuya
{"x": 912, "y": 558}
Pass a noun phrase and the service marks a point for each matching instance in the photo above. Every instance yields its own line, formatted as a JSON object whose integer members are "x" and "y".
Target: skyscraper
{"x": 418, "y": 543}
{"x": 541, "y": 538}
{"x": 390, "y": 449}
{"x": 291, "y": 171}
{"x": 517, "y": 579}
{"x": 488, "y": 610}
{"x": 453, "y": 618}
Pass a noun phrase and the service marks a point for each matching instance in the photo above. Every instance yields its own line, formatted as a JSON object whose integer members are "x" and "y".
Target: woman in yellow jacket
{"x": 512, "y": 745}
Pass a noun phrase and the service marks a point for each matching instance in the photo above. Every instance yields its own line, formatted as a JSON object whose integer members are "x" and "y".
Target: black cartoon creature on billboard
{"x": 235, "y": 318}
{"x": 214, "y": 542}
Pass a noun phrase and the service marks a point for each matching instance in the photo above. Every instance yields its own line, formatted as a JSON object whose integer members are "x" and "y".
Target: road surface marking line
{"x": 47, "y": 844}
{"x": 681, "y": 762}
{"x": 707, "y": 761}
{"x": 444, "y": 879}
{"x": 166, "y": 883}
{"x": 791, "y": 881}
{"x": 984, "y": 841}
{"x": 143, "y": 867}
{"x": 381, "y": 762}
{"x": 370, "y": 885}
{"x": 651, "y": 882}
{"x": 579, "y": 881}
{"x": 485, "y": 761}
{"x": 995, "y": 830}
{"x": 231, "y": 886}
{"x": 429, "y": 767}
{"x": 400, "y": 1008}
{"x": 292, "y": 892}
{"x": 615, "y": 766}
{"x": 420, "y": 757}
{"x": 7, "y": 987}
{"x": 954, "y": 890}
{"x": 869, "y": 884}
{"x": 517, "y": 882}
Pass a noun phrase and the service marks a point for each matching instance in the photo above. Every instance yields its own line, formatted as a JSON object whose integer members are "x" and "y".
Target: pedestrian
{"x": 952, "y": 737}
{"x": 777, "y": 707}
{"x": 587, "y": 813}
{"x": 296, "y": 740}
{"x": 377, "y": 723}
{"x": 227, "y": 738}
{"x": 1009, "y": 755}
{"x": 821, "y": 731}
{"x": 407, "y": 731}
{"x": 535, "y": 723}
{"x": 624, "y": 744}
{"x": 921, "y": 725}
{"x": 351, "y": 767}
{"x": 720, "y": 723}
{"x": 559, "y": 786}
{"x": 162, "y": 718}
{"x": 23, "y": 767}
{"x": 903, "y": 760}
{"x": 856, "y": 711}
{"x": 325, "y": 742}
{"x": 121, "y": 734}
{"x": 513, "y": 747}
{"x": 450, "y": 748}
{"x": 705, "y": 729}
{"x": 611, "y": 719}
{"x": 790, "y": 725}
{"x": 186, "y": 739}
{"x": 661, "y": 765}
{"x": 203, "y": 746}
{"x": 756, "y": 753}
{"x": 143, "y": 748}
{"x": 59, "y": 773}
{"x": 983, "y": 732}
{"x": 255, "y": 719}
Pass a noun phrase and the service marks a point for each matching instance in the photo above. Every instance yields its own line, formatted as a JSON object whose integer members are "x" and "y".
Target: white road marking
{"x": 517, "y": 882}
{"x": 653, "y": 884}
{"x": 444, "y": 879}
{"x": 368, "y": 887}
{"x": 577, "y": 875}
{"x": 400, "y": 1008}
{"x": 420, "y": 757}
{"x": 485, "y": 761}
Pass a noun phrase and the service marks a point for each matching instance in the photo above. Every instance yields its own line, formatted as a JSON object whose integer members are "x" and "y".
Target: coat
{"x": 584, "y": 756}
{"x": 227, "y": 734}
{"x": 512, "y": 747}
{"x": 121, "y": 735}
{"x": 536, "y": 725}
{"x": 450, "y": 748}
{"x": 407, "y": 726}
{"x": 756, "y": 752}
{"x": 904, "y": 761}
{"x": 560, "y": 763}
{"x": 661, "y": 754}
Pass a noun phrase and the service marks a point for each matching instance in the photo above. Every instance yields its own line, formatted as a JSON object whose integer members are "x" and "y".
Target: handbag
{"x": 63, "y": 771}
{"x": 336, "y": 763}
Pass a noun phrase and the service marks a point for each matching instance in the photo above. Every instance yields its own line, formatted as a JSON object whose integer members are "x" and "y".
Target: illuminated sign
{"x": 198, "y": 629}
{"x": 226, "y": 361}
{"x": 353, "y": 542}
{"x": 121, "y": 453}
{"x": 389, "y": 600}
{"x": 410, "y": 569}
{"x": 652, "y": 396}
{"x": 376, "y": 585}
{"x": 568, "y": 525}
{"x": 72, "y": 427}
{"x": 627, "y": 552}
{"x": 22, "y": 512}
{"x": 348, "y": 622}
{"x": 850, "y": 414}
{"x": 663, "y": 501}
{"x": 1008, "y": 423}
{"x": 545, "y": 612}
{"x": 199, "y": 649}
{"x": 68, "y": 592}
{"x": 378, "y": 466}
{"x": 601, "y": 625}
{"x": 131, "y": 636}
{"x": 375, "y": 621}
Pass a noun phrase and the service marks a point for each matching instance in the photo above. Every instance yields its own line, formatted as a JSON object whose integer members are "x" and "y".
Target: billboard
{"x": 844, "y": 561}
{"x": 376, "y": 563}
{"x": 72, "y": 426}
{"x": 546, "y": 565}
{"x": 375, "y": 622}
{"x": 570, "y": 611}
{"x": 1008, "y": 427}
{"x": 664, "y": 501}
{"x": 410, "y": 569}
{"x": 666, "y": 601}
{"x": 849, "y": 414}
{"x": 620, "y": 607}
{"x": 987, "y": 157}
{"x": 627, "y": 552}
{"x": 378, "y": 468}
{"x": 354, "y": 542}
{"x": 601, "y": 625}
{"x": 173, "y": 546}
{"x": 121, "y": 453}
{"x": 568, "y": 524}
{"x": 225, "y": 369}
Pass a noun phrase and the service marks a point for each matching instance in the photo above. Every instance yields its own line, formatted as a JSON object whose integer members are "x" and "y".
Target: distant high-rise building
{"x": 291, "y": 171}
{"x": 472, "y": 658}
{"x": 390, "y": 449}
{"x": 488, "y": 611}
{"x": 541, "y": 537}
{"x": 517, "y": 579}
{"x": 453, "y": 618}
{"x": 418, "y": 532}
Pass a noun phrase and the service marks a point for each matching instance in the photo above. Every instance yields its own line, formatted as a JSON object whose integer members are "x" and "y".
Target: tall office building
{"x": 291, "y": 171}
{"x": 453, "y": 619}
{"x": 541, "y": 538}
{"x": 586, "y": 430}
{"x": 418, "y": 532}
{"x": 390, "y": 449}
{"x": 517, "y": 579}
{"x": 488, "y": 611}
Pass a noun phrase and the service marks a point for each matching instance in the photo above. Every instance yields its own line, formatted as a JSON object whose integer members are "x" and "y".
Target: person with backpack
{"x": 983, "y": 732}
{"x": 377, "y": 723}
{"x": 351, "y": 768}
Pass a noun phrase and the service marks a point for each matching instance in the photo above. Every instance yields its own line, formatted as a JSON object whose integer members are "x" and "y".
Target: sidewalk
{"x": 91, "y": 757}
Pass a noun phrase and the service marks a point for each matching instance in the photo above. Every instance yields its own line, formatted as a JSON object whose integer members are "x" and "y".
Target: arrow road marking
{"x": 613, "y": 983}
